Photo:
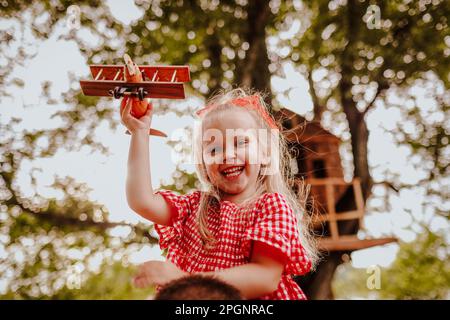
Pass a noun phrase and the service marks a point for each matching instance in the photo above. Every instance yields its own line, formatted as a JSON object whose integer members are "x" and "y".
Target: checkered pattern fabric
{"x": 270, "y": 220}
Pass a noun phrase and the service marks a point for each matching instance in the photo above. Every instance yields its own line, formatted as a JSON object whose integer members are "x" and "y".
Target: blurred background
{"x": 374, "y": 74}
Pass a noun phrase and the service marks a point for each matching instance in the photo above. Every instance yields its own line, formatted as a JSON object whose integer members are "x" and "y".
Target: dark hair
{"x": 198, "y": 287}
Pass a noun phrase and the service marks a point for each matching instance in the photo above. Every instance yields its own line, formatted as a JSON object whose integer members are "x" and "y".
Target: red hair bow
{"x": 250, "y": 102}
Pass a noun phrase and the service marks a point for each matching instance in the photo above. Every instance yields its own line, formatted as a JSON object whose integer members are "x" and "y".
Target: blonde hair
{"x": 280, "y": 181}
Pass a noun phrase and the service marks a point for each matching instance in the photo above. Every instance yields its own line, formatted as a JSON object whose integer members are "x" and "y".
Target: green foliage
{"x": 410, "y": 40}
{"x": 112, "y": 282}
{"x": 351, "y": 283}
{"x": 184, "y": 182}
{"x": 44, "y": 244}
{"x": 421, "y": 270}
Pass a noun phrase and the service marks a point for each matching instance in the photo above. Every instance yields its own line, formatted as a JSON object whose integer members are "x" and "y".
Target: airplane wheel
{"x": 117, "y": 93}
{"x": 141, "y": 94}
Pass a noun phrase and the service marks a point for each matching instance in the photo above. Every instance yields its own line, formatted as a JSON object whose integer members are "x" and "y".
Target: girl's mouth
{"x": 232, "y": 173}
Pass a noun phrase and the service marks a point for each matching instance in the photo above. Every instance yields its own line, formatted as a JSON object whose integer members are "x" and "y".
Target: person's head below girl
{"x": 198, "y": 287}
{"x": 241, "y": 154}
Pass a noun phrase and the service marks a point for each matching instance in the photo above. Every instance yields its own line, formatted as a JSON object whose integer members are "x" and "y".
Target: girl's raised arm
{"x": 139, "y": 189}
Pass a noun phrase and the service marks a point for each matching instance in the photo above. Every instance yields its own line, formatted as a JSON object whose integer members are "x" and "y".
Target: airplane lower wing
{"x": 159, "y": 90}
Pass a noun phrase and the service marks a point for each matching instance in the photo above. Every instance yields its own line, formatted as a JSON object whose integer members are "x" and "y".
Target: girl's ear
{"x": 265, "y": 160}
{"x": 263, "y": 169}
{"x": 264, "y": 155}
{"x": 206, "y": 175}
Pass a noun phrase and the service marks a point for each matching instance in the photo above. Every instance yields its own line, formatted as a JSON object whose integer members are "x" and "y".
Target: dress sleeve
{"x": 181, "y": 208}
{"x": 276, "y": 226}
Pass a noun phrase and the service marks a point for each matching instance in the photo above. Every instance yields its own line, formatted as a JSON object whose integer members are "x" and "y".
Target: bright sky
{"x": 106, "y": 175}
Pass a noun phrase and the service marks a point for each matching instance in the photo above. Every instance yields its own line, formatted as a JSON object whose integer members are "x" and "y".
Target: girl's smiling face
{"x": 229, "y": 149}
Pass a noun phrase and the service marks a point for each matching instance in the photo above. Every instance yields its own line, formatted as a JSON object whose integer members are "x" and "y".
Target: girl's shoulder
{"x": 190, "y": 196}
{"x": 272, "y": 199}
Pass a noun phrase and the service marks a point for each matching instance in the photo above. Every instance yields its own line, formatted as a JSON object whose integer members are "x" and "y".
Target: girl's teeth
{"x": 233, "y": 172}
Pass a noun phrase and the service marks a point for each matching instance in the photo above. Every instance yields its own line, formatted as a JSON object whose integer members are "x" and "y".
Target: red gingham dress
{"x": 271, "y": 221}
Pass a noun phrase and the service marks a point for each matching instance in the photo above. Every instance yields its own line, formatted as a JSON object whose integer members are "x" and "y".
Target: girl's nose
{"x": 230, "y": 154}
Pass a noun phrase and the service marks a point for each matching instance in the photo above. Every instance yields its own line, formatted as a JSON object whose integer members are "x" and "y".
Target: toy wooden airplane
{"x": 130, "y": 81}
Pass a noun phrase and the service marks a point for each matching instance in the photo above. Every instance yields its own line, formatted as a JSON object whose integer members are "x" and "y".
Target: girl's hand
{"x": 133, "y": 124}
{"x": 157, "y": 273}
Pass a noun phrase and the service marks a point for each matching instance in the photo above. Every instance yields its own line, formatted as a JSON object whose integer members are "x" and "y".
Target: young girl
{"x": 246, "y": 226}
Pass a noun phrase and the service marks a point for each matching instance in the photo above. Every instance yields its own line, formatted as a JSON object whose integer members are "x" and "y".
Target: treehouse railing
{"x": 326, "y": 193}
{"x": 331, "y": 216}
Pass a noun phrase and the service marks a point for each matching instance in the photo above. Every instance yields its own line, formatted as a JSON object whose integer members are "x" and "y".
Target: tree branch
{"x": 318, "y": 108}
{"x": 61, "y": 220}
{"x": 380, "y": 89}
{"x": 389, "y": 185}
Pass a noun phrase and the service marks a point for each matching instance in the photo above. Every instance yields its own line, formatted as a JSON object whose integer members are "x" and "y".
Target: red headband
{"x": 251, "y": 102}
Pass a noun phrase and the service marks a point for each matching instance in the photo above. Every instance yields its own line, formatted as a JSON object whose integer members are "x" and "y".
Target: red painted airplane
{"x": 130, "y": 81}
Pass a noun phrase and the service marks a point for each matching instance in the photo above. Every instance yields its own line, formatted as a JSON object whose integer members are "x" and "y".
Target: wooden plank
{"x": 97, "y": 76}
{"x": 324, "y": 181}
{"x": 353, "y": 244}
{"x": 165, "y": 73}
{"x": 319, "y": 155}
{"x": 331, "y": 211}
{"x": 154, "y": 76}
{"x": 348, "y": 237}
{"x": 116, "y": 77}
{"x": 159, "y": 90}
{"x": 359, "y": 200}
{"x": 348, "y": 215}
{"x": 107, "y": 72}
{"x": 174, "y": 77}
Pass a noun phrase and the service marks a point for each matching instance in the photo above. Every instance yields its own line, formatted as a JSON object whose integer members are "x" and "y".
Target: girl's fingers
{"x": 141, "y": 273}
{"x": 148, "y": 112}
{"x": 138, "y": 282}
{"x": 127, "y": 113}
{"x": 127, "y": 117}
{"x": 128, "y": 106}
{"x": 142, "y": 282}
{"x": 124, "y": 111}
{"x": 134, "y": 281}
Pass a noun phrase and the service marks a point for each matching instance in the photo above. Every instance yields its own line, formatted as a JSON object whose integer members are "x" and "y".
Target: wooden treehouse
{"x": 336, "y": 205}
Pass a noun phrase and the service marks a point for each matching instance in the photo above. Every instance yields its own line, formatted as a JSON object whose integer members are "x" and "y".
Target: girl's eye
{"x": 242, "y": 141}
{"x": 214, "y": 150}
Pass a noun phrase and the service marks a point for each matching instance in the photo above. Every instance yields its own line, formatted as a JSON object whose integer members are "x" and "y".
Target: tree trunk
{"x": 215, "y": 52}
{"x": 358, "y": 127}
{"x": 253, "y": 71}
{"x": 317, "y": 285}
{"x": 360, "y": 138}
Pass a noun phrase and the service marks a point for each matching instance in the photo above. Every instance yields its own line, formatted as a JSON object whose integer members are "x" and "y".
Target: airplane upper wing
{"x": 166, "y": 73}
{"x": 151, "y": 73}
{"x": 108, "y": 72}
